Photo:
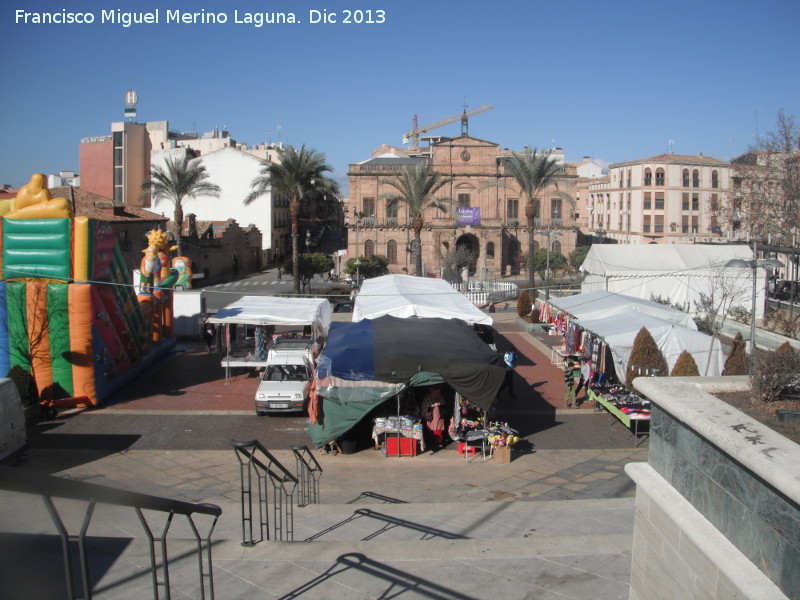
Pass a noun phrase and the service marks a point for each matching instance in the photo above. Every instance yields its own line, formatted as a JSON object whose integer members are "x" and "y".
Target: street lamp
{"x": 550, "y": 234}
{"x": 358, "y": 271}
{"x": 754, "y": 264}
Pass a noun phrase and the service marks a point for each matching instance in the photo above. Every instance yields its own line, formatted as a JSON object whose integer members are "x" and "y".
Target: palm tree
{"x": 297, "y": 175}
{"x": 533, "y": 171}
{"x": 177, "y": 181}
{"x": 416, "y": 186}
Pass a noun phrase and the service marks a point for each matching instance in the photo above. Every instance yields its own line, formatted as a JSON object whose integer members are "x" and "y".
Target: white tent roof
{"x": 405, "y": 296}
{"x": 275, "y": 310}
{"x": 620, "y": 330}
{"x": 595, "y": 305}
{"x": 679, "y": 272}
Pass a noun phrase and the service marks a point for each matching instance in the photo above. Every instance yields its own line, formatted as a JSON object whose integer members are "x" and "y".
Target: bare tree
{"x": 728, "y": 291}
{"x": 764, "y": 200}
{"x": 455, "y": 261}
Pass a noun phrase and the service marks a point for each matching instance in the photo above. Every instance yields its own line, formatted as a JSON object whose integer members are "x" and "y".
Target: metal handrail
{"x": 309, "y": 472}
{"x": 253, "y": 458}
{"x": 49, "y": 487}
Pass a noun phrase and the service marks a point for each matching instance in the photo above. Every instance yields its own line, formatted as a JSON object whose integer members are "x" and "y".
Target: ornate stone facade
{"x": 494, "y": 230}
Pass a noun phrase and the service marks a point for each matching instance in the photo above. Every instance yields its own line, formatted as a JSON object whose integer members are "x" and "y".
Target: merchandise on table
{"x": 625, "y": 401}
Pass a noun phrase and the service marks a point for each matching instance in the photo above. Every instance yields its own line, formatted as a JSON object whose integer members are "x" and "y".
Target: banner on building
{"x": 468, "y": 216}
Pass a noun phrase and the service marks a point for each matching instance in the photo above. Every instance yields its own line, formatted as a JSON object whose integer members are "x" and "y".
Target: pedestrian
{"x": 510, "y": 359}
{"x": 434, "y": 419}
{"x": 209, "y": 335}
{"x": 583, "y": 384}
{"x": 280, "y": 274}
{"x": 569, "y": 385}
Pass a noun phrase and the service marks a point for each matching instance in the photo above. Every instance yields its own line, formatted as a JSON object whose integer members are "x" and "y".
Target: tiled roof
{"x": 95, "y": 206}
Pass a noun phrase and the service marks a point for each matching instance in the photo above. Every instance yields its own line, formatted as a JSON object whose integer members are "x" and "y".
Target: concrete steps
{"x": 366, "y": 549}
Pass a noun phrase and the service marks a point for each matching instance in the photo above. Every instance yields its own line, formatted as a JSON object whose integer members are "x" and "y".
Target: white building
{"x": 63, "y": 178}
{"x": 234, "y": 170}
{"x": 666, "y": 199}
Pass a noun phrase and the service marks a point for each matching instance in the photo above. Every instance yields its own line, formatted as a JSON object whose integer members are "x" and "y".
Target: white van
{"x": 286, "y": 382}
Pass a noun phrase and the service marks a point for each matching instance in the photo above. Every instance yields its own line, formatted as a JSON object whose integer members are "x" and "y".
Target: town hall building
{"x": 487, "y": 218}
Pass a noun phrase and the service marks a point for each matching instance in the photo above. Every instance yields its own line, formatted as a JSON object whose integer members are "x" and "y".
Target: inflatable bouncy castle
{"x": 69, "y": 315}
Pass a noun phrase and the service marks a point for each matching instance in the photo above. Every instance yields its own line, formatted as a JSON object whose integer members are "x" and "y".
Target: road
{"x": 265, "y": 283}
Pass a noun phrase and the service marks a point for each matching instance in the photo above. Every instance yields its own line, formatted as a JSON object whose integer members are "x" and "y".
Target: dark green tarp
{"x": 363, "y": 363}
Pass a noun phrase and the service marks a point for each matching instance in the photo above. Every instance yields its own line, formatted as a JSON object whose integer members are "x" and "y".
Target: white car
{"x": 286, "y": 382}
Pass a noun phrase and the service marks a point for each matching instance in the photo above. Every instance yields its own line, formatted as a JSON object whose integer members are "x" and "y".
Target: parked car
{"x": 786, "y": 290}
{"x": 286, "y": 382}
{"x": 343, "y": 307}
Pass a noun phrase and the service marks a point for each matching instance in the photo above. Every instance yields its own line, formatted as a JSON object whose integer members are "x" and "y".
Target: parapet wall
{"x": 717, "y": 503}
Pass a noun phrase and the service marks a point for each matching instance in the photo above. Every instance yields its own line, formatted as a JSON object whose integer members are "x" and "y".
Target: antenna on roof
{"x": 671, "y": 146}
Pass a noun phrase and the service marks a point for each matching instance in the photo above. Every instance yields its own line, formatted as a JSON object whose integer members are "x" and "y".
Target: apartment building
{"x": 665, "y": 199}
{"x": 117, "y": 164}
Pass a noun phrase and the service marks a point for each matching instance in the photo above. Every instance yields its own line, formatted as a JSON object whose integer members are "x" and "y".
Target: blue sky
{"x": 611, "y": 80}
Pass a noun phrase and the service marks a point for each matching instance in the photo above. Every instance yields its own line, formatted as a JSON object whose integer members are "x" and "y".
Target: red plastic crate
{"x": 470, "y": 449}
{"x": 408, "y": 446}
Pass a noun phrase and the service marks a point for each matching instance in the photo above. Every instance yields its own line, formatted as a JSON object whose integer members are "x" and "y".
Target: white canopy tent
{"x": 275, "y": 310}
{"x": 617, "y": 319}
{"x": 620, "y": 330}
{"x": 675, "y": 271}
{"x": 598, "y": 304}
{"x": 405, "y": 296}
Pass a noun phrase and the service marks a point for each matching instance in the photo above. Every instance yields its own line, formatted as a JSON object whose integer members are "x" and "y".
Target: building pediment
{"x": 464, "y": 140}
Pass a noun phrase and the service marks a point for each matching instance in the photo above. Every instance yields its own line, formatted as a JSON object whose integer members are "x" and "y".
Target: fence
{"x": 481, "y": 292}
{"x": 50, "y": 487}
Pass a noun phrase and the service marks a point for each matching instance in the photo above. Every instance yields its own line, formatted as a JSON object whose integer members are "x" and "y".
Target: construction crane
{"x": 416, "y": 131}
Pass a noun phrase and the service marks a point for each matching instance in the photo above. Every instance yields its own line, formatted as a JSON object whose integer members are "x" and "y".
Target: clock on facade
{"x": 465, "y": 156}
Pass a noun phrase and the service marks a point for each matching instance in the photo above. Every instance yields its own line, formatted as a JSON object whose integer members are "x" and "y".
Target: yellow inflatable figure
{"x": 155, "y": 262}
{"x": 33, "y": 201}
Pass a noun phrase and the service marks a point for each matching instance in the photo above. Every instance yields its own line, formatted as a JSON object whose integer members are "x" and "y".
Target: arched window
{"x": 695, "y": 178}
{"x": 490, "y": 250}
{"x": 660, "y": 176}
{"x": 369, "y": 248}
{"x": 686, "y": 178}
{"x": 648, "y": 177}
{"x": 391, "y": 252}
{"x": 556, "y": 246}
{"x": 714, "y": 179}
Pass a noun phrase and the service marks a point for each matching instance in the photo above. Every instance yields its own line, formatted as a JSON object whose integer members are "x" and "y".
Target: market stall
{"x": 680, "y": 272}
{"x": 405, "y": 296}
{"x": 603, "y": 326}
{"x": 628, "y": 408}
{"x": 261, "y": 314}
{"x": 391, "y": 361}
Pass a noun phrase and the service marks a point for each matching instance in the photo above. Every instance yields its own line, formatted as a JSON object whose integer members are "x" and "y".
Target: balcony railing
{"x": 75, "y": 551}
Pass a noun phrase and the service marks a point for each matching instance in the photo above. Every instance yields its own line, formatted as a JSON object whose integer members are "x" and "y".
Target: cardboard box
{"x": 502, "y": 454}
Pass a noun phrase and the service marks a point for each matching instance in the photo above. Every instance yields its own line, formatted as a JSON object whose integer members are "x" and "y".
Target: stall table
{"x": 632, "y": 421}
{"x": 558, "y": 356}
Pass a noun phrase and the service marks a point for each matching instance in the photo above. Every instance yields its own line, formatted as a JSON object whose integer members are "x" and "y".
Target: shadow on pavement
{"x": 395, "y": 580}
{"x": 32, "y": 565}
